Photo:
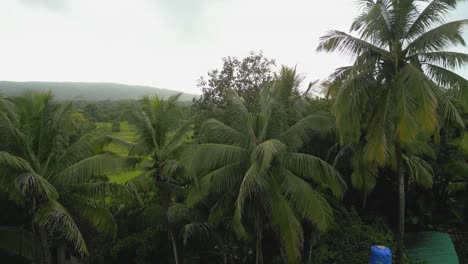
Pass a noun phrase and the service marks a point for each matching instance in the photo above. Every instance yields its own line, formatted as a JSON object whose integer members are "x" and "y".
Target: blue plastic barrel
{"x": 380, "y": 255}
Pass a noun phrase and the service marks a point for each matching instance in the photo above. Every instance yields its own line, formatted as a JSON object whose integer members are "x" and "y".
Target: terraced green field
{"x": 126, "y": 133}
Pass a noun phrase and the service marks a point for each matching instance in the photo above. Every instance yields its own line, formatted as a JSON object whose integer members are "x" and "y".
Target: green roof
{"x": 431, "y": 247}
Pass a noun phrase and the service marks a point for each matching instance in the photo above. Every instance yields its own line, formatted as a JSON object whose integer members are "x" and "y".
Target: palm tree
{"x": 364, "y": 175}
{"x": 400, "y": 79}
{"x": 162, "y": 135}
{"x": 253, "y": 160}
{"x": 56, "y": 169}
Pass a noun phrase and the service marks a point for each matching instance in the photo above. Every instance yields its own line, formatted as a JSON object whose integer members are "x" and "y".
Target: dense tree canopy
{"x": 256, "y": 170}
{"x": 246, "y": 77}
{"x": 402, "y": 83}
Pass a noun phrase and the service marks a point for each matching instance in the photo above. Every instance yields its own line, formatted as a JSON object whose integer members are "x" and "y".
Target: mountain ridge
{"x": 90, "y": 91}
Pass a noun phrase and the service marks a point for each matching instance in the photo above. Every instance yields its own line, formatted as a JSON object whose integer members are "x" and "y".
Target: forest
{"x": 262, "y": 167}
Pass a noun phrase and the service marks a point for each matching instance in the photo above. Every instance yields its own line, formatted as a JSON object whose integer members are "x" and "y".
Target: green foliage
{"x": 18, "y": 242}
{"x": 55, "y": 166}
{"x": 141, "y": 238}
{"x": 115, "y": 127}
{"x": 349, "y": 240}
{"x": 400, "y": 86}
{"x": 254, "y": 157}
{"x": 244, "y": 176}
{"x": 246, "y": 77}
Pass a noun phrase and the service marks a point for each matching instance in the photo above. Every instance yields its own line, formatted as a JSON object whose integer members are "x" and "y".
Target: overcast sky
{"x": 164, "y": 43}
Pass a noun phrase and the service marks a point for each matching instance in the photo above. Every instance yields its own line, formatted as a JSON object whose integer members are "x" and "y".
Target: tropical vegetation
{"x": 257, "y": 169}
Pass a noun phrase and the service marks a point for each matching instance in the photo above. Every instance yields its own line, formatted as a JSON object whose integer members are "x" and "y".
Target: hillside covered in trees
{"x": 88, "y": 91}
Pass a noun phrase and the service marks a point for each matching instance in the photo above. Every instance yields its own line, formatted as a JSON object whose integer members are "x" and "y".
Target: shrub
{"x": 349, "y": 240}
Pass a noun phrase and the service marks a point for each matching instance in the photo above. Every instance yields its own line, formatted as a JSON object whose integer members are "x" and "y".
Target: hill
{"x": 88, "y": 91}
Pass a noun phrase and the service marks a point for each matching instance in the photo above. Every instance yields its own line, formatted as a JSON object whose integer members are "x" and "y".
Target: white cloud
{"x": 163, "y": 43}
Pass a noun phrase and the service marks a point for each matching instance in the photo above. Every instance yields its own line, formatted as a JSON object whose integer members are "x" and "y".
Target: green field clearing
{"x": 124, "y": 176}
{"x": 126, "y": 133}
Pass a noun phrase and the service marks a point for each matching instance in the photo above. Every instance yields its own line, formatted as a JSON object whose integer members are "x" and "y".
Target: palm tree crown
{"x": 254, "y": 160}
{"x": 57, "y": 167}
{"x": 400, "y": 78}
{"x": 401, "y": 81}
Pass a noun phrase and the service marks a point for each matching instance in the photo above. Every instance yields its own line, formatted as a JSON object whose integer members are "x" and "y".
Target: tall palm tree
{"x": 56, "y": 169}
{"x": 401, "y": 78}
{"x": 364, "y": 174}
{"x": 162, "y": 136}
{"x": 253, "y": 160}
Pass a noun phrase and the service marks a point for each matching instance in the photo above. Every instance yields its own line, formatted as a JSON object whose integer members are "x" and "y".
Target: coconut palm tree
{"x": 56, "y": 169}
{"x": 162, "y": 136}
{"x": 364, "y": 174}
{"x": 401, "y": 79}
{"x": 253, "y": 164}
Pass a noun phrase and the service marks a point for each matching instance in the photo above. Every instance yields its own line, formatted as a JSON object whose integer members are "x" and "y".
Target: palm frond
{"x": 182, "y": 135}
{"x": 170, "y": 168}
{"x": 202, "y": 230}
{"x": 420, "y": 147}
{"x": 55, "y": 218}
{"x": 378, "y": 145}
{"x": 448, "y": 111}
{"x": 86, "y": 146}
{"x": 375, "y": 22}
{"x": 315, "y": 169}
{"x": 446, "y": 59}
{"x": 32, "y": 185}
{"x": 419, "y": 170}
{"x": 143, "y": 182}
{"x": 216, "y": 131}
{"x": 223, "y": 179}
{"x": 433, "y": 14}
{"x": 457, "y": 170}
{"x": 450, "y": 81}
{"x": 337, "y": 41}
{"x": 179, "y": 213}
{"x": 297, "y": 135}
{"x": 266, "y": 151}
{"x": 305, "y": 201}
{"x": 238, "y": 113}
{"x": 362, "y": 178}
{"x": 253, "y": 186}
{"x": 84, "y": 170}
{"x": 285, "y": 223}
{"x": 210, "y": 156}
{"x": 439, "y": 38}
{"x": 14, "y": 162}
{"x": 464, "y": 142}
{"x": 94, "y": 213}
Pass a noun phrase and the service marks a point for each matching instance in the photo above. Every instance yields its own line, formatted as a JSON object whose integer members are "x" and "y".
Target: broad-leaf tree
{"x": 245, "y": 76}
{"x": 253, "y": 161}
{"x": 402, "y": 78}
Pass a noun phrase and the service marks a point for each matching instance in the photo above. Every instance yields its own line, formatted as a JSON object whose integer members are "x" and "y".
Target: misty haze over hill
{"x": 88, "y": 91}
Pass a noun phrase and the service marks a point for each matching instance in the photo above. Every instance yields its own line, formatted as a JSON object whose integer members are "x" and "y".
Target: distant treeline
{"x": 88, "y": 91}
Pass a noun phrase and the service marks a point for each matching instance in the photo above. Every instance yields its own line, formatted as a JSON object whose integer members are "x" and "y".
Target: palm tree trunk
{"x": 174, "y": 246}
{"x": 46, "y": 258}
{"x": 401, "y": 204}
{"x": 258, "y": 247}
{"x": 283, "y": 256}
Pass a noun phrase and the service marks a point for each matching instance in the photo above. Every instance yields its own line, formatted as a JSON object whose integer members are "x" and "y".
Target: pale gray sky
{"x": 163, "y": 43}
